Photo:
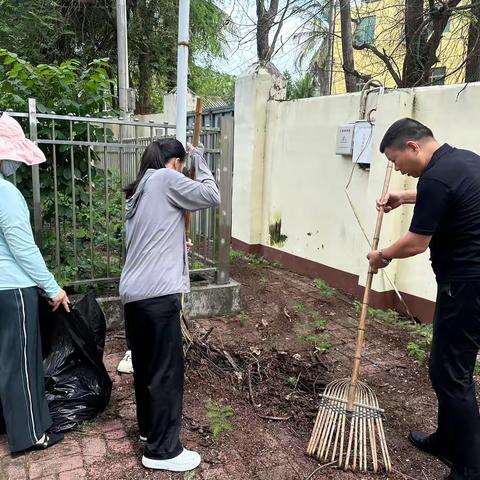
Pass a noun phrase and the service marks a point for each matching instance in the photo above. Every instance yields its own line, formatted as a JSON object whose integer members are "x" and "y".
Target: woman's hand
{"x": 60, "y": 299}
{"x": 189, "y": 245}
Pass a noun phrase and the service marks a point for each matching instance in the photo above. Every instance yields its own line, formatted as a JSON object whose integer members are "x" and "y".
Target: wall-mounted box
{"x": 362, "y": 142}
{"x": 344, "y": 144}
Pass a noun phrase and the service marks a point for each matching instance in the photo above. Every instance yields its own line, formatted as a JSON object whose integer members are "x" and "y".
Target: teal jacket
{"x": 21, "y": 263}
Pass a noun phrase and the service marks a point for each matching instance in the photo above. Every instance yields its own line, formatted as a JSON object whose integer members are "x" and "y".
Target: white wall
{"x": 304, "y": 183}
{"x": 252, "y": 93}
{"x": 168, "y": 115}
{"x": 286, "y": 168}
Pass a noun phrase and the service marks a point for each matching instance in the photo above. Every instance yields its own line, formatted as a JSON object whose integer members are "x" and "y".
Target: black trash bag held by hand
{"x": 77, "y": 385}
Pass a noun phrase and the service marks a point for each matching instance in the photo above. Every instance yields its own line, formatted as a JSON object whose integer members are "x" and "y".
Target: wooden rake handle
{"x": 366, "y": 299}
{"x": 195, "y": 141}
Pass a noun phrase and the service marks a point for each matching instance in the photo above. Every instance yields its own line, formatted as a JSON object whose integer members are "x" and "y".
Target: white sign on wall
{"x": 362, "y": 142}
{"x": 344, "y": 142}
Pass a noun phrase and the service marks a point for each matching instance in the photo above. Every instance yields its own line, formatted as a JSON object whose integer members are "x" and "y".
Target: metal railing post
{"x": 224, "y": 177}
{"x": 37, "y": 207}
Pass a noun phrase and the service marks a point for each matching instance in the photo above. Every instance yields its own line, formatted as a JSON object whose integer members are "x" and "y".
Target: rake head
{"x": 353, "y": 437}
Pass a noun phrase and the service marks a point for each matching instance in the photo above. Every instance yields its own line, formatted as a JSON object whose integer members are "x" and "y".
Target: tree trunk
{"x": 327, "y": 88}
{"x": 414, "y": 40}
{"x": 472, "y": 69}
{"x": 439, "y": 21}
{"x": 347, "y": 46}
{"x": 423, "y": 35}
{"x": 323, "y": 79}
{"x": 262, "y": 31}
{"x": 265, "y": 21}
{"x": 144, "y": 105}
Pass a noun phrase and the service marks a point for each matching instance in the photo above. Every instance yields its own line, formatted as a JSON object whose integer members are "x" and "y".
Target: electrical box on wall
{"x": 344, "y": 145}
{"x": 362, "y": 142}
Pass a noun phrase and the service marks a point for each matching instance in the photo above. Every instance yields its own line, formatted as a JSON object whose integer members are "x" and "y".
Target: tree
{"x": 316, "y": 41}
{"x": 68, "y": 87}
{"x": 83, "y": 29}
{"x": 422, "y": 43}
{"x": 304, "y": 87}
{"x": 413, "y": 39}
{"x": 472, "y": 67}
{"x": 35, "y": 30}
{"x": 265, "y": 22}
{"x": 72, "y": 174}
{"x": 207, "y": 82}
{"x": 347, "y": 43}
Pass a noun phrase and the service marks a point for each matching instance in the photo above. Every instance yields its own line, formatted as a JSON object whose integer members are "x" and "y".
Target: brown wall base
{"x": 419, "y": 307}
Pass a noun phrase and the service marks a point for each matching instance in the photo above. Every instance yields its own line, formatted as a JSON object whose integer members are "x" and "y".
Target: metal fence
{"x": 77, "y": 202}
{"x": 211, "y": 117}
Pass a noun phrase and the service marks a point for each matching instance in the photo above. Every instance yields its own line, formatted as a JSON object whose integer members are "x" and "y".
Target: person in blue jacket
{"x": 22, "y": 272}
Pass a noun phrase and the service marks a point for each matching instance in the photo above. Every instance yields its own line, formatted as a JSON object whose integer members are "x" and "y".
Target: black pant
{"x": 456, "y": 341}
{"x": 153, "y": 327}
{"x": 22, "y": 389}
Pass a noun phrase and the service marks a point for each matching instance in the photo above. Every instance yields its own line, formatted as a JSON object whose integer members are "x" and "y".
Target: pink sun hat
{"x": 15, "y": 146}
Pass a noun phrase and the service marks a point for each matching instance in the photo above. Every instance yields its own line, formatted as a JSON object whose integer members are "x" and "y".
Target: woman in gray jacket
{"x": 155, "y": 273}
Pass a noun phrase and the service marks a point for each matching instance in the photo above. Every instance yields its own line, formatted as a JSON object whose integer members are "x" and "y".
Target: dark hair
{"x": 402, "y": 131}
{"x": 156, "y": 156}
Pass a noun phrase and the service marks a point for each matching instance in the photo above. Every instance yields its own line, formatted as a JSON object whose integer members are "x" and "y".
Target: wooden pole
{"x": 366, "y": 299}
{"x": 195, "y": 141}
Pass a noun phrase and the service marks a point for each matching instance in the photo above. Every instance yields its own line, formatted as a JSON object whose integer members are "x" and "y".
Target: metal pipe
{"x": 182, "y": 70}
{"x": 122, "y": 52}
{"x": 37, "y": 205}
{"x": 373, "y": 82}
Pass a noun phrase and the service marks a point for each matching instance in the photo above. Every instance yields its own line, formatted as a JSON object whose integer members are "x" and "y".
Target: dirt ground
{"x": 254, "y": 380}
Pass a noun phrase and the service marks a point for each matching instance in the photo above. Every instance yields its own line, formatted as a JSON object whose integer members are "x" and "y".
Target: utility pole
{"x": 182, "y": 70}
{"x": 122, "y": 53}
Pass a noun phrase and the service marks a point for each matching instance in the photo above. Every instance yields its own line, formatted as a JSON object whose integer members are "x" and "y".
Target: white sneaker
{"x": 125, "y": 365}
{"x": 185, "y": 461}
{"x": 143, "y": 439}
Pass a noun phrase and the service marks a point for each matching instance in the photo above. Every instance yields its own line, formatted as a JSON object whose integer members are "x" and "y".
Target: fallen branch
{"x": 318, "y": 469}
{"x": 258, "y": 365}
{"x": 231, "y": 361}
{"x": 277, "y": 419}
{"x": 404, "y": 475}
{"x": 250, "y": 389}
{"x": 205, "y": 337}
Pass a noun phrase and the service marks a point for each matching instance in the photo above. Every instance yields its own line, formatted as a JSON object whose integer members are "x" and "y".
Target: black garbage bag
{"x": 77, "y": 385}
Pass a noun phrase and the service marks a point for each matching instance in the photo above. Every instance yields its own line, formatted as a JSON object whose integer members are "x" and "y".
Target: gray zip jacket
{"x": 157, "y": 262}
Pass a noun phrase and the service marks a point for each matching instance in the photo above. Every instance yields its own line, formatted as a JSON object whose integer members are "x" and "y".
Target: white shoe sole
{"x": 122, "y": 369}
{"x": 143, "y": 439}
{"x": 170, "y": 464}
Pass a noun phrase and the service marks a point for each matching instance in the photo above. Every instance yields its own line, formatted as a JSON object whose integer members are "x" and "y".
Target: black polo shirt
{"x": 448, "y": 208}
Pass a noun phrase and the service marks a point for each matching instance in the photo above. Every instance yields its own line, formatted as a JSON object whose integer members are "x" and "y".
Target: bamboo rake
{"x": 195, "y": 141}
{"x": 188, "y": 220}
{"x": 349, "y": 423}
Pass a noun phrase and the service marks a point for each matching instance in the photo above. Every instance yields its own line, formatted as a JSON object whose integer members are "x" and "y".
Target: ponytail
{"x": 156, "y": 156}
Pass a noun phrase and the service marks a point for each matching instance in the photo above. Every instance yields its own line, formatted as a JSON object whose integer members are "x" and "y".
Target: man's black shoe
{"x": 466, "y": 475}
{"x": 426, "y": 443}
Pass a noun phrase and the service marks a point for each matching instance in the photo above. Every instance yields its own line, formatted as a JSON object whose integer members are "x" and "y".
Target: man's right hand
{"x": 60, "y": 299}
{"x": 390, "y": 202}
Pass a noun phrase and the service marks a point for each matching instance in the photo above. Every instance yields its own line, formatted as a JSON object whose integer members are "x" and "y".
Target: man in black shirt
{"x": 447, "y": 219}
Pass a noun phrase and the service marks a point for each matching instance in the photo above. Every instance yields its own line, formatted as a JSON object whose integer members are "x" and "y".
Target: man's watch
{"x": 383, "y": 257}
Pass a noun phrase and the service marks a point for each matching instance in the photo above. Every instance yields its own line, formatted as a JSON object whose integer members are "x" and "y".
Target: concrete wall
{"x": 286, "y": 171}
